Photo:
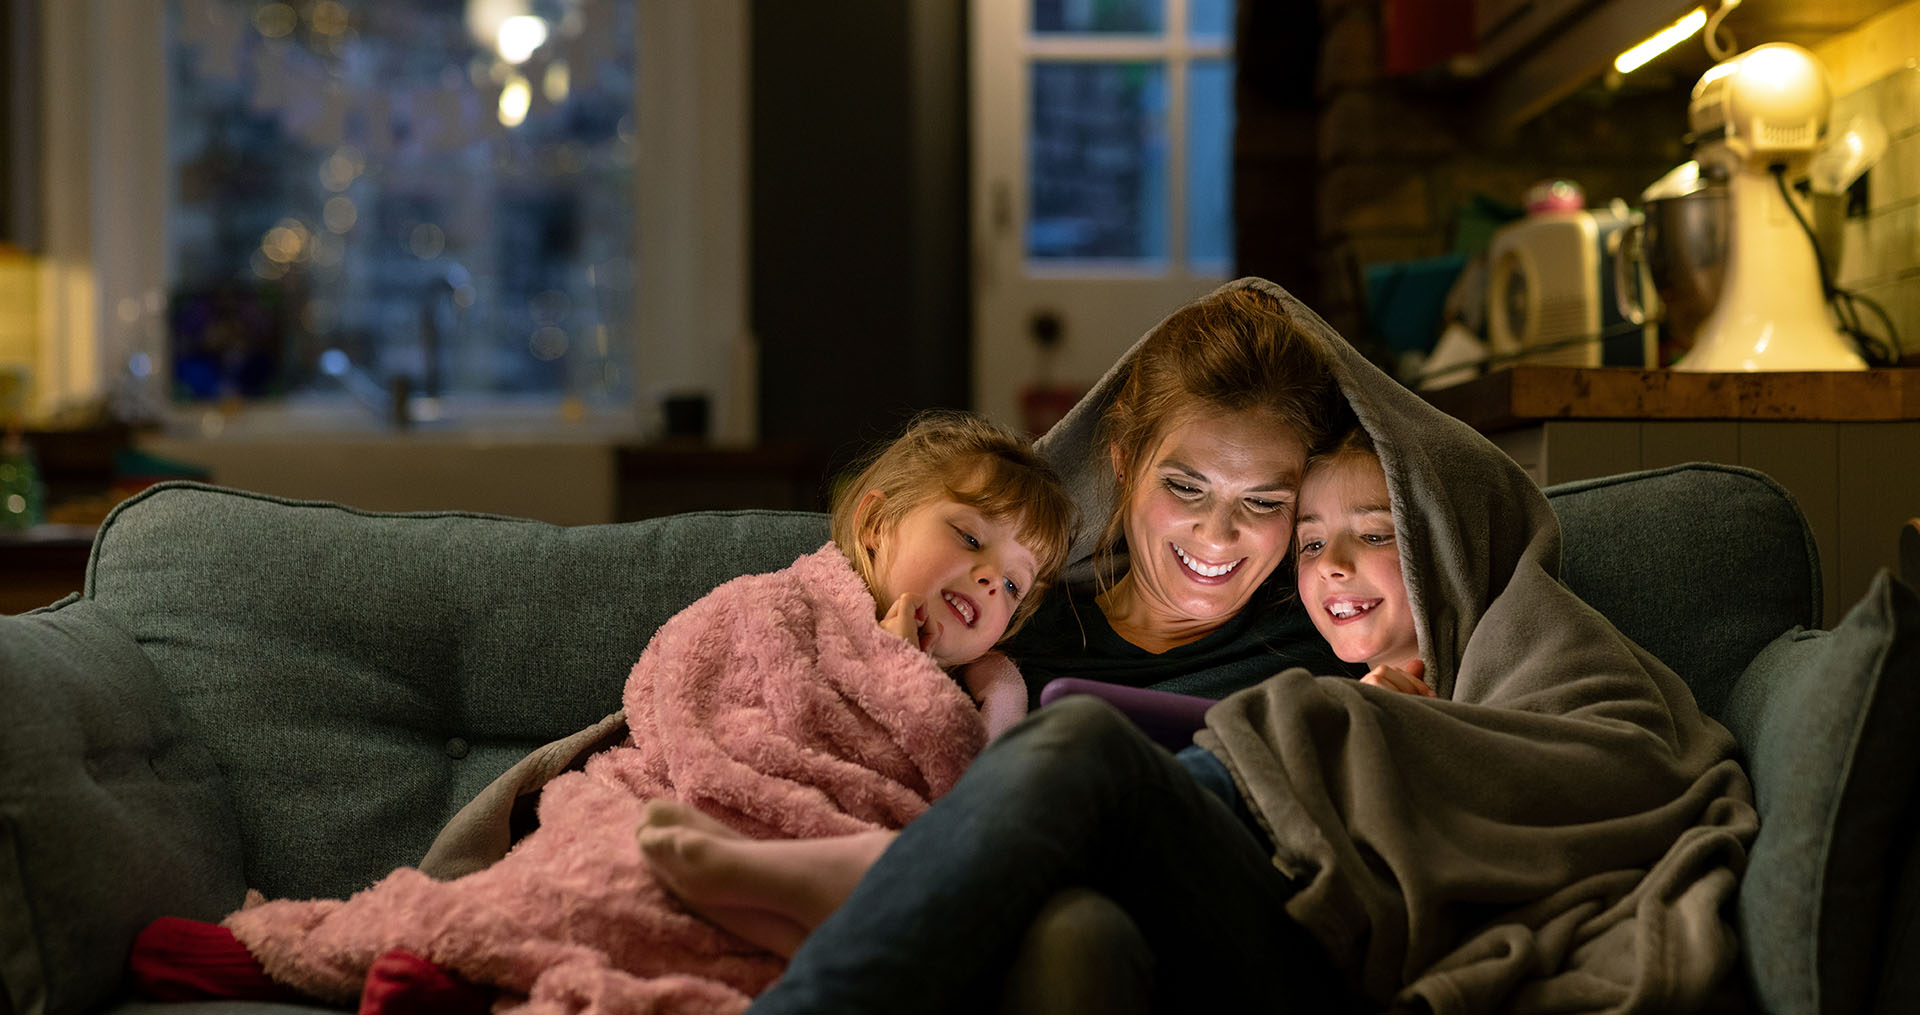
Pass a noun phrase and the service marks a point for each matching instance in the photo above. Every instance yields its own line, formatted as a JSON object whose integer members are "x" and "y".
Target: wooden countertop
{"x": 1526, "y": 394}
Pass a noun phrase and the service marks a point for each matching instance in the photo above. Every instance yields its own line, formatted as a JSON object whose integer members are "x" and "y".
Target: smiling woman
{"x": 1184, "y": 588}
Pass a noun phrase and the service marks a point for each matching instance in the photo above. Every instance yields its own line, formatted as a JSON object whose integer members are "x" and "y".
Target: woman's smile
{"x": 1204, "y": 572}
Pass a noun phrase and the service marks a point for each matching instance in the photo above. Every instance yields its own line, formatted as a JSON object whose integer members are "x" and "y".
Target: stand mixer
{"x": 1757, "y": 119}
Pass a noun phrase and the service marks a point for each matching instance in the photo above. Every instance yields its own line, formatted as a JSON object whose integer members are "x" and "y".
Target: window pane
{"x": 372, "y": 192}
{"x": 1210, "y": 19}
{"x": 1097, "y": 181}
{"x": 1099, "y": 16}
{"x": 1210, "y": 163}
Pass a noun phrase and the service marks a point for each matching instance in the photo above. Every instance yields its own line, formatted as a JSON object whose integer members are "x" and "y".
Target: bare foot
{"x": 801, "y": 881}
{"x": 663, "y": 813}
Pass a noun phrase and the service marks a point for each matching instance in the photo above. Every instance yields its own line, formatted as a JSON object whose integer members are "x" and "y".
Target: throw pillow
{"x": 1826, "y": 720}
{"x": 111, "y": 813}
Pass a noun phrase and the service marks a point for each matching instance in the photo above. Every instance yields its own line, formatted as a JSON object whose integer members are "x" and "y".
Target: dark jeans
{"x": 1072, "y": 797}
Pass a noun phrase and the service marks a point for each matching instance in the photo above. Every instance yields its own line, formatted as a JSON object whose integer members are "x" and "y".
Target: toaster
{"x": 1550, "y": 292}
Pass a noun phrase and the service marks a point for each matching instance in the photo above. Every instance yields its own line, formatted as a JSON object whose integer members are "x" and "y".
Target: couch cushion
{"x": 1648, "y": 548}
{"x": 360, "y": 676}
{"x": 111, "y": 812}
{"x": 1826, "y": 720}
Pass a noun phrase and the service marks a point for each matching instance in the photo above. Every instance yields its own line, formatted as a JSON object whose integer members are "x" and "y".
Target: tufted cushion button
{"x": 456, "y": 748}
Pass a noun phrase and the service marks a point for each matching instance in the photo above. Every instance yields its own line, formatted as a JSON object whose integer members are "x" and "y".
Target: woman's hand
{"x": 906, "y": 617}
{"x": 1406, "y": 681}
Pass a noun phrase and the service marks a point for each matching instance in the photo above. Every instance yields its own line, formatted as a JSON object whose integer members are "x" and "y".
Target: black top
{"x": 1070, "y": 637}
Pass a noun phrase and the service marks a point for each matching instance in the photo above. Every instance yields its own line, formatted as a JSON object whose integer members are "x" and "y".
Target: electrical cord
{"x": 1845, "y": 303}
{"x": 1715, "y": 48}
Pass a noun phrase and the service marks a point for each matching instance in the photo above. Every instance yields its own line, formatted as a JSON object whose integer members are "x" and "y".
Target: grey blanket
{"x": 1561, "y": 830}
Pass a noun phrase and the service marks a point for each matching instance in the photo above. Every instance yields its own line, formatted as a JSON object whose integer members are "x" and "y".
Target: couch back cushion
{"x": 1702, "y": 565}
{"x": 360, "y": 676}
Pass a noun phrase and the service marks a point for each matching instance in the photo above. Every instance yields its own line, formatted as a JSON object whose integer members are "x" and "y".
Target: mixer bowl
{"x": 1684, "y": 239}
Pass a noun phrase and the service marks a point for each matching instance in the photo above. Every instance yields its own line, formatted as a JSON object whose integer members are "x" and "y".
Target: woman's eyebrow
{"x": 1279, "y": 484}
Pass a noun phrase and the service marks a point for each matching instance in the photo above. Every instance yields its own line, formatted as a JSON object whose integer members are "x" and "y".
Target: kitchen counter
{"x": 1526, "y": 394}
{"x": 1846, "y": 445}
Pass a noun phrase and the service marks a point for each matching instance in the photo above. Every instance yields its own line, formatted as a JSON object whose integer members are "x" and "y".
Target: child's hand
{"x": 906, "y": 618}
{"x": 1405, "y": 681}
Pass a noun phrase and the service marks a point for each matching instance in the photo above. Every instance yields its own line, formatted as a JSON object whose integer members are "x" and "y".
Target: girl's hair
{"x": 963, "y": 457}
{"x": 1231, "y": 352}
{"x": 1353, "y": 441}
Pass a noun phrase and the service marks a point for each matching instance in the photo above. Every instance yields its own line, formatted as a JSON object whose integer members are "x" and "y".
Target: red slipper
{"x": 402, "y": 983}
{"x": 187, "y": 960}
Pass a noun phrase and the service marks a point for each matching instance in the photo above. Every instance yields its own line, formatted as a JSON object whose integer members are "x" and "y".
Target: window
{"x": 565, "y": 254}
{"x": 402, "y": 196}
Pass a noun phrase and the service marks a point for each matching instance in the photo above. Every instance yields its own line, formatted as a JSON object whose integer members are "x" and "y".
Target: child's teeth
{"x": 965, "y": 608}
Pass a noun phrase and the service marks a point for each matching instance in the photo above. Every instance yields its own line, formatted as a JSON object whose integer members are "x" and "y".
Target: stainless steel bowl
{"x": 1685, "y": 240}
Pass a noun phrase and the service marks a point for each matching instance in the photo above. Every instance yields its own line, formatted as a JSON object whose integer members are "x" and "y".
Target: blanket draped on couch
{"x": 776, "y": 704}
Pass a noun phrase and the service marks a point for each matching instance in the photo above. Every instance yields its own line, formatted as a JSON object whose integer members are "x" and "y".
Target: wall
{"x": 859, "y": 216}
{"x": 1874, "y": 73}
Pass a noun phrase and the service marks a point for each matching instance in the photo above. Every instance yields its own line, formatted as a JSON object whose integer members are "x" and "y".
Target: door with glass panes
{"x": 1102, "y": 185}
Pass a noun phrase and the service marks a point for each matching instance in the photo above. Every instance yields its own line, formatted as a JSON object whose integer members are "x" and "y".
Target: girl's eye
{"x": 1013, "y": 589}
{"x": 1310, "y": 546}
{"x": 1378, "y": 538}
{"x": 967, "y": 538}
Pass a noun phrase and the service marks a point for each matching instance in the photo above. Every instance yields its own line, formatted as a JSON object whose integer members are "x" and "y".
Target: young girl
{"x": 1347, "y": 564}
{"x": 821, "y": 699}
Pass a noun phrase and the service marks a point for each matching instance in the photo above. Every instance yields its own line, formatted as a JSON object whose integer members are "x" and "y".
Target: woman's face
{"x": 1209, "y": 518}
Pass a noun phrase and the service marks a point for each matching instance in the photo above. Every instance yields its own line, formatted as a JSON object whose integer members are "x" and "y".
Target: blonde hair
{"x": 1232, "y": 352}
{"x": 967, "y": 458}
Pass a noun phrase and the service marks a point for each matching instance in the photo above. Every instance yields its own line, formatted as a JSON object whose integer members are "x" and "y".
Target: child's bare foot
{"x": 663, "y": 813}
{"x": 799, "y": 881}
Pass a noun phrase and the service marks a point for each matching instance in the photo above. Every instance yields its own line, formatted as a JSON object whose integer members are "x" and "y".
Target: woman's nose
{"x": 1217, "y": 524}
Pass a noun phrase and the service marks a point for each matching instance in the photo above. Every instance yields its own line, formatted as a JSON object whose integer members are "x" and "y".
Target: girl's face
{"x": 1209, "y": 518}
{"x": 968, "y": 570}
{"x": 1349, "y": 563}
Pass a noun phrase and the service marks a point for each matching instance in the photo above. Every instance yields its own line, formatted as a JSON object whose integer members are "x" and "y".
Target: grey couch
{"x": 293, "y": 697}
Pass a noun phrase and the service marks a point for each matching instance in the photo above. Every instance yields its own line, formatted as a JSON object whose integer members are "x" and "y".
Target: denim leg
{"x": 1073, "y": 796}
{"x": 1082, "y": 956}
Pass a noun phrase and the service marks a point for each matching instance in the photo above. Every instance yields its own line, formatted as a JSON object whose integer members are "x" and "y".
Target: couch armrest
{"x": 111, "y": 811}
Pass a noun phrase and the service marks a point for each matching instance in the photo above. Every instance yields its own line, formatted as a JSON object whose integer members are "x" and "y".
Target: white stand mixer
{"x": 1760, "y": 116}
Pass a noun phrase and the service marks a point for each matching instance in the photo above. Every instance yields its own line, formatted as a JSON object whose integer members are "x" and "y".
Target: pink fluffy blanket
{"x": 776, "y": 703}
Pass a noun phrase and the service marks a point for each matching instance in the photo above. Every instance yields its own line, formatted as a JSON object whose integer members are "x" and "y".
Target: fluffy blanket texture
{"x": 1561, "y": 830}
{"x": 776, "y": 704}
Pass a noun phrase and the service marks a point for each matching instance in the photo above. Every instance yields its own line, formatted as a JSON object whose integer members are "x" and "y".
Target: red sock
{"x": 186, "y": 960}
{"x": 402, "y": 983}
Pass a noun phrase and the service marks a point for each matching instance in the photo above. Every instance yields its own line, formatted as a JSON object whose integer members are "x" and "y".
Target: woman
{"x": 1558, "y": 827}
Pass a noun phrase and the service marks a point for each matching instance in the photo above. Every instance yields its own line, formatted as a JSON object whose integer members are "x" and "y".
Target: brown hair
{"x": 1235, "y": 351}
{"x": 1350, "y": 443}
{"x": 966, "y": 457}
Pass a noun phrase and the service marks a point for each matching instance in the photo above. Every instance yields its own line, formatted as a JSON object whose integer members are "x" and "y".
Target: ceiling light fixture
{"x": 1665, "y": 39}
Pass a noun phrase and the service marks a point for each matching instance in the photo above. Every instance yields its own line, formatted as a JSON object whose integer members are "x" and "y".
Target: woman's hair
{"x": 967, "y": 458}
{"x": 1234, "y": 351}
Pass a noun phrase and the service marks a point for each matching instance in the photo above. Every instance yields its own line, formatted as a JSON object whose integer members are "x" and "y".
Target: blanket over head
{"x": 776, "y": 703}
{"x": 1561, "y": 829}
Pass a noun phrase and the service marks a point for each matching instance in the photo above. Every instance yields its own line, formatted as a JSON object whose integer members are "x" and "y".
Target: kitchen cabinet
{"x": 1846, "y": 445}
